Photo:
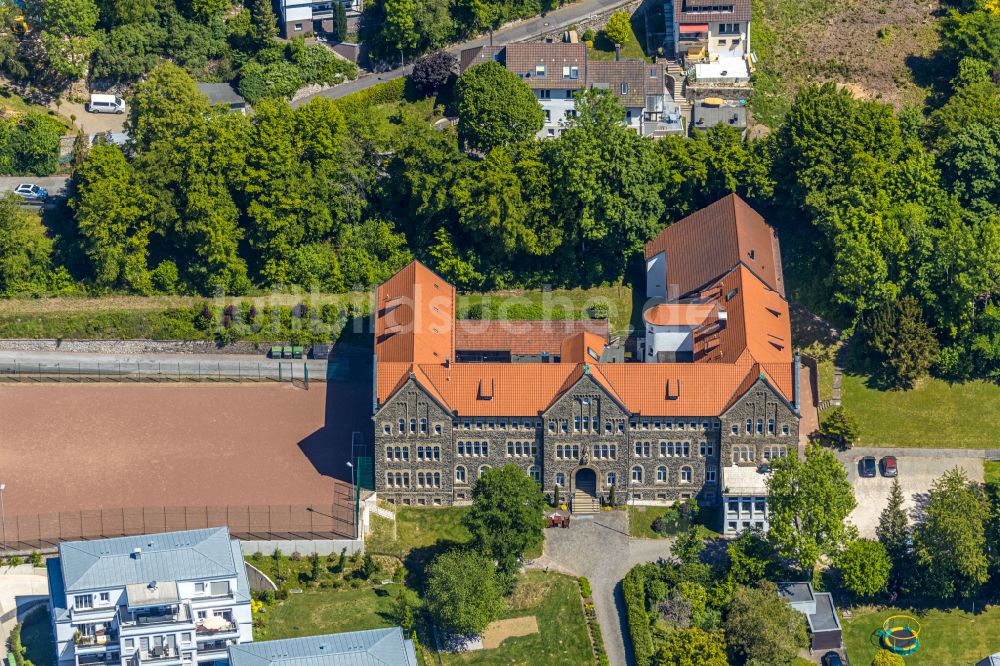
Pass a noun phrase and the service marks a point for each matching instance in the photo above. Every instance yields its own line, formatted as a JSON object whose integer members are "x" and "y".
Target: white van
{"x": 106, "y": 104}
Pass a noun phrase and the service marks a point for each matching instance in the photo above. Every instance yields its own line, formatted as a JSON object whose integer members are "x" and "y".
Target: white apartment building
{"x": 172, "y": 599}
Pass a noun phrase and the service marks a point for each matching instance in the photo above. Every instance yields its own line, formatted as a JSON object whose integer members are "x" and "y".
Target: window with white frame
{"x": 686, "y": 474}
{"x": 560, "y": 479}
{"x": 661, "y": 474}
{"x": 459, "y": 474}
{"x": 535, "y": 473}
{"x": 83, "y": 601}
{"x": 611, "y": 478}
{"x": 539, "y": 70}
{"x": 637, "y": 474}
{"x": 710, "y": 475}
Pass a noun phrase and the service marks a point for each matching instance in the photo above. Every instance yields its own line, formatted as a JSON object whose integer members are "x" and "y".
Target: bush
{"x": 634, "y": 592}
{"x": 588, "y": 35}
{"x": 278, "y": 80}
{"x": 377, "y": 95}
{"x": 35, "y": 558}
{"x": 619, "y": 27}
{"x": 15, "y": 560}
{"x": 886, "y": 658}
{"x": 584, "y": 586}
{"x": 281, "y": 594}
{"x": 431, "y": 73}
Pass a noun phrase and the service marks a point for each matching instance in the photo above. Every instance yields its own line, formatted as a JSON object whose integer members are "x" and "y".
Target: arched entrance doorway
{"x": 586, "y": 481}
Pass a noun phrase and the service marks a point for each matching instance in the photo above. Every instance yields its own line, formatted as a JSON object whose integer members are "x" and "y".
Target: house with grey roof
{"x": 171, "y": 599}
{"x": 556, "y": 72}
{"x": 376, "y": 647}
{"x": 825, "y": 631}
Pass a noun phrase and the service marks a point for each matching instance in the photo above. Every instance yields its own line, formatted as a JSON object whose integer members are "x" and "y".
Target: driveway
{"x": 21, "y": 588}
{"x": 93, "y": 123}
{"x": 918, "y": 469}
{"x": 521, "y": 31}
{"x": 600, "y": 548}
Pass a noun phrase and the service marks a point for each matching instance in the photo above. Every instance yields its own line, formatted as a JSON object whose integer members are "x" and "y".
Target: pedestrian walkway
{"x": 21, "y": 589}
{"x": 599, "y": 547}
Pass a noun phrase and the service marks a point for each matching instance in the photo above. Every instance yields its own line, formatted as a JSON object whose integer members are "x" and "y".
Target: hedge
{"x": 634, "y": 591}
{"x": 584, "y": 587}
{"x": 381, "y": 93}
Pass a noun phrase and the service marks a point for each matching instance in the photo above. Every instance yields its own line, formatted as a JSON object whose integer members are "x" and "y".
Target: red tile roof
{"x": 711, "y": 241}
{"x": 520, "y": 336}
{"x": 708, "y": 253}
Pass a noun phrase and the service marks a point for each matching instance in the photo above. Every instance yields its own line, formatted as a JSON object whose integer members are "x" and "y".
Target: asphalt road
{"x": 56, "y": 185}
{"x": 518, "y": 32}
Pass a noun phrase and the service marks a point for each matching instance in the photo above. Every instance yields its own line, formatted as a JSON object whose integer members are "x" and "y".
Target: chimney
{"x": 447, "y": 361}
{"x": 618, "y": 52}
{"x": 137, "y": 553}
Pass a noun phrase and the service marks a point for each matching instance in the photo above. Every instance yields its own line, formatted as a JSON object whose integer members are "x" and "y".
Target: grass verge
{"x": 946, "y": 637}
{"x": 562, "y": 638}
{"x": 991, "y": 473}
{"x": 935, "y": 414}
{"x": 641, "y": 519}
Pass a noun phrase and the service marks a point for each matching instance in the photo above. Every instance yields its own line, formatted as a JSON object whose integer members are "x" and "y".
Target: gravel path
{"x": 601, "y": 549}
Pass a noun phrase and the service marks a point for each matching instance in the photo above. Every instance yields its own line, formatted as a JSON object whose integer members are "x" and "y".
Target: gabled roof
{"x": 376, "y": 647}
{"x": 632, "y": 72}
{"x": 415, "y": 317}
{"x": 583, "y": 347}
{"x": 524, "y": 58}
{"x": 171, "y": 556}
{"x": 712, "y": 241}
{"x": 520, "y": 336}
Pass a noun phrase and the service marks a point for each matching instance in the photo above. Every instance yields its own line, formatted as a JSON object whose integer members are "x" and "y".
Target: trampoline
{"x": 900, "y": 634}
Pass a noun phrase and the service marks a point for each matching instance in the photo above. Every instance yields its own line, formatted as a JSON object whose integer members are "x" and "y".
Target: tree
{"x": 619, "y": 27}
{"x": 901, "y": 342}
{"x": 688, "y": 546}
{"x": 972, "y": 167}
{"x": 950, "y": 543}
{"x": 750, "y": 556}
{"x": 339, "y": 32}
{"x": 506, "y": 515}
{"x": 886, "y": 658}
{"x": 808, "y": 502}
{"x": 893, "y": 533}
{"x": 81, "y": 146}
{"x": 840, "y": 428}
{"x": 691, "y": 647}
{"x": 495, "y": 108}
{"x": 463, "y": 593}
{"x": 163, "y": 106}
{"x": 452, "y": 266}
{"x": 432, "y": 72}
{"x": 34, "y": 144}
{"x": 399, "y": 27}
{"x": 112, "y": 212}
{"x": 25, "y": 250}
{"x": 264, "y": 26}
{"x": 762, "y": 628}
{"x": 865, "y": 567}
{"x": 67, "y": 34}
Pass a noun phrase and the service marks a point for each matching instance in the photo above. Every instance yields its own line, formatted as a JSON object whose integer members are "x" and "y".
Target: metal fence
{"x": 179, "y": 371}
{"x": 260, "y": 522}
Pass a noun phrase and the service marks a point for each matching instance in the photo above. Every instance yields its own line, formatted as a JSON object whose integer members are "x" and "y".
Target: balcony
{"x": 212, "y": 627}
{"x": 98, "y": 659}
{"x": 159, "y": 655}
{"x": 213, "y": 648}
{"x": 179, "y": 614}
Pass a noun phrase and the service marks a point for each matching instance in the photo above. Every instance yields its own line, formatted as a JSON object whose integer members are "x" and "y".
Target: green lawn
{"x": 936, "y": 414}
{"x": 556, "y": 304}
{"x": 991, "y": 473}
{"x": 947, "y": 637}
{"x": 36, "y": 636}
{"x": 641, "y": 519}
{"x": 603, "y": 49}
{"x": 562, "y": 637}
{"x": 330, "y": 611}
{"x": 417, "y": 527}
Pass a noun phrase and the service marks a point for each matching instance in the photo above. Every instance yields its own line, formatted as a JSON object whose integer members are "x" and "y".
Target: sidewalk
{"x": 21, "y": 588}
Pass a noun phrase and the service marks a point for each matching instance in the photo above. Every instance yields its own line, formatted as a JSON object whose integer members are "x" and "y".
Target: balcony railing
{"x": 179, "y": 614}
{"x": 202, "y": 631}
{"x": 159, "y": 654}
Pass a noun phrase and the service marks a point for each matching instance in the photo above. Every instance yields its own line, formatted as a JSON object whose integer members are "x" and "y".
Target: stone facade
{"x": 760, "y": 426}
{"x": 586, "y": 428}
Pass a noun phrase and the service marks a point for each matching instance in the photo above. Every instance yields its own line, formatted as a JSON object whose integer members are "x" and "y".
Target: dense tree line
{"x": 120, "y": 41}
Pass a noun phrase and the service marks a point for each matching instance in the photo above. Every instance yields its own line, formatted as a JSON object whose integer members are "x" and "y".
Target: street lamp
{"x": 3, "y": 517}
{"x": 357, "y": 499}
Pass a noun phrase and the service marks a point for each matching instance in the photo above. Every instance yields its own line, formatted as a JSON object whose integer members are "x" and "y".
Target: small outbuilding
{"x": 225, "y": 94}
{"x": 824, "y": 625}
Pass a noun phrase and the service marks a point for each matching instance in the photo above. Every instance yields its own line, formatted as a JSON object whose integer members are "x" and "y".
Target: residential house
{"x": 712, "y": 395}
{"x": 298, "y": 16}
{"x": 363, "y": 648}
{"x": 556, "y": 72}
{"x": 172, "y": 599}
{"x": 712, "y": 33}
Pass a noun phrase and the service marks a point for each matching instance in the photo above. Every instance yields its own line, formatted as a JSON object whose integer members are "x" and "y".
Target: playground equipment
{"x": 900, "y": 634}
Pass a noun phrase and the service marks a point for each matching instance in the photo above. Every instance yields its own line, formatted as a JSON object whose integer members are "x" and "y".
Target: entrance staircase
{"x": 585, "y": 503}
{"x": 677, "y": 92}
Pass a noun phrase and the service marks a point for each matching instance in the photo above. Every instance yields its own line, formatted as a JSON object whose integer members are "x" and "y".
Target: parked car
{"x": 889, "y": 468}
{"x": 831, "y": 658}
{"x": 106, "y": 104}
{"x": 31, "y": 192}
{"x": 867, "y": 467}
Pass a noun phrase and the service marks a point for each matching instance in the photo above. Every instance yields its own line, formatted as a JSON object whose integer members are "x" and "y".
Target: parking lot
{"x": 918, "y": 469}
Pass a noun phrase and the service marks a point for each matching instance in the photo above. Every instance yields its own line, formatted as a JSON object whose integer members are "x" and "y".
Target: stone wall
{"x": 137, "y": 346}
{"x": 760, "y": 404}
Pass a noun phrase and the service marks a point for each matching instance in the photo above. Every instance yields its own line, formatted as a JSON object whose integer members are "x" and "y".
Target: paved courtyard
{"x": 918, "y": 469}
{"x": 600, "y": 548}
